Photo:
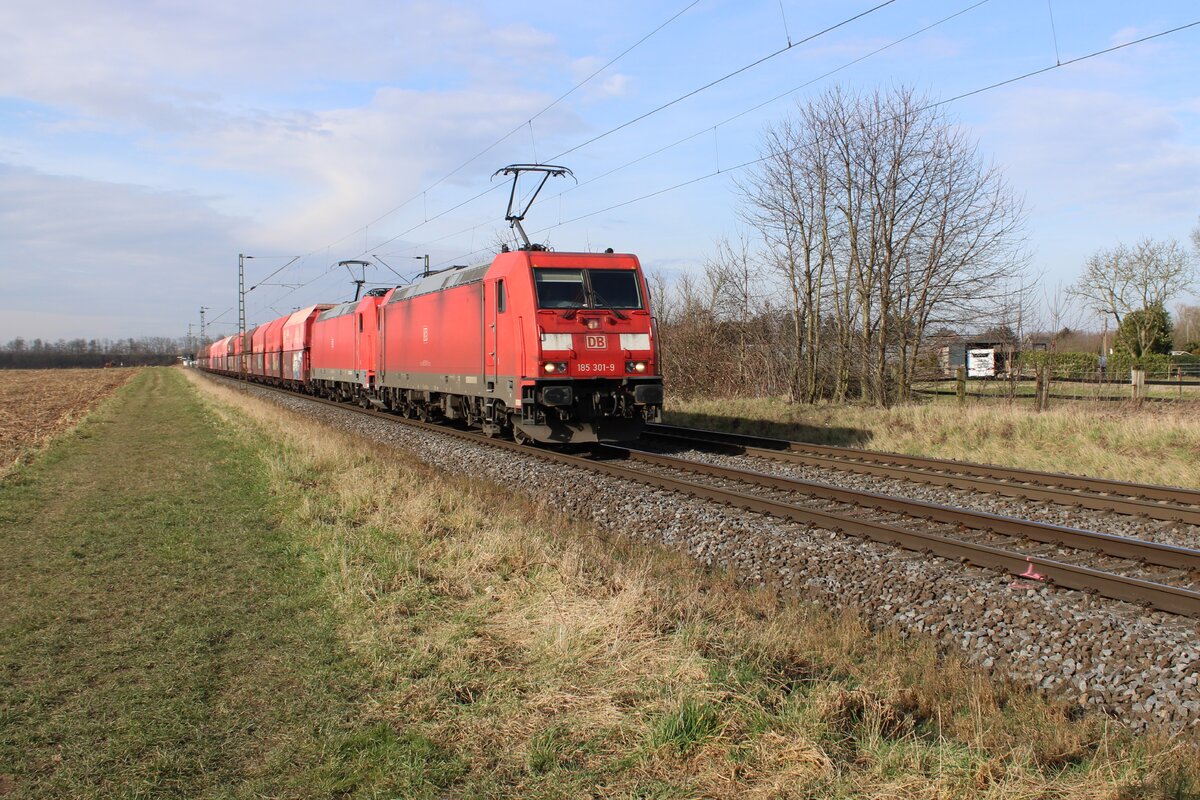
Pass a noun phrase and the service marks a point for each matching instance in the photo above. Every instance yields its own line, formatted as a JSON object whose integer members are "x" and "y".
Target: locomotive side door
{"x": 380, "y": 349}
{"x": 491, "y": 339}
{"x": 360, "y": 375}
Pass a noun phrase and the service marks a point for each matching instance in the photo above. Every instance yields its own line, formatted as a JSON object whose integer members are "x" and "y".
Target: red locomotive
{"x": 543, "y": 346}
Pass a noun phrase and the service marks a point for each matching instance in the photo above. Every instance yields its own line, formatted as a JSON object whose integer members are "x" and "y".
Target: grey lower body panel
{"x": 339, "y": 376}
{"x": 499, "y": 387}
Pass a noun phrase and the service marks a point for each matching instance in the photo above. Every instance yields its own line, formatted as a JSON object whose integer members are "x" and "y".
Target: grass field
{"x": 1145, "y": 444}
{"x": 38, "y": 404}
{"x": 348, "y": 623}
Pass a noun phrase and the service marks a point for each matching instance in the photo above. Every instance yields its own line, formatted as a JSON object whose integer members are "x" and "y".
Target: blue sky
{"x": 143, "y": 145}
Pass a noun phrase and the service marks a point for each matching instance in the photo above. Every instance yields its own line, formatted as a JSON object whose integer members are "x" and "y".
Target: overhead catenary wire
{"x": 528, "y": 122}
{"x": 367, "y": 247}
{"x": 777, "y": 97}
{"x": 790, "y": 45}
{"x": 990, "y": 87}
{"x": 1053, "y": 30}
{"x": 273, "y": 274}
{"x": 935, "y": 104}
{"x": 727, "y": 120}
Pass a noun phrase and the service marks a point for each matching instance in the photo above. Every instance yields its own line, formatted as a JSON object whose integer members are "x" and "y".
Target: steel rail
{"x": 1134, "y": 590}
{"x": 1150, "y": 491}
{"x": 970, "y": 478}
{"x": 1163, "y": 555}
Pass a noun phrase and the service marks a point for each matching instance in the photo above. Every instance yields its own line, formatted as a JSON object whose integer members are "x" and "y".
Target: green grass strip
{"x": 162, "y": 635}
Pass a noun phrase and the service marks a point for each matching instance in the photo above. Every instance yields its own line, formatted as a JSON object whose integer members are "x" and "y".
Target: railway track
{"x": 694, "y": 480}
{"x": 1167, "y": 503}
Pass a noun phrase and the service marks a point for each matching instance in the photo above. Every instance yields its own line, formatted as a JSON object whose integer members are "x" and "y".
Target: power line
{"x": 963, "y": 95}
{"x": 935, "y": 104}
{"x": 600, "y": 136}
{"x": 1053, "y": 31}
{"x": 570, "y": 91}
{"x": 777, "y": 97}
{"x": 529, "y": 122}
{"x": 724, "y": 78}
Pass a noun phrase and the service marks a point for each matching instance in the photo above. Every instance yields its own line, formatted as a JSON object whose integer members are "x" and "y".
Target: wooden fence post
{"x": 1042, "y": 390}
{"x": 1137, "y": 379}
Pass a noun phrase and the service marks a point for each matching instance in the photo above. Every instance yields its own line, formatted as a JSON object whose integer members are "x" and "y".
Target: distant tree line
{"x": 21, "y": 353}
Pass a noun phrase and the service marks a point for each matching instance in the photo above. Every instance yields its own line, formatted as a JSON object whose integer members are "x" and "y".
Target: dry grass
{"x": 38, "y": 404}
{"x": 1146, "y": 444}
{"x": 555, "y": 661}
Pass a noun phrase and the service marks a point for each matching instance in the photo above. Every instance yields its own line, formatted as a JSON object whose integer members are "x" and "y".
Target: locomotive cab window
{"x": 586, "y": 288}
{"x": 613, "y": 288}
{"x": 560, "y": 288}
{"x": 500, "y": 296}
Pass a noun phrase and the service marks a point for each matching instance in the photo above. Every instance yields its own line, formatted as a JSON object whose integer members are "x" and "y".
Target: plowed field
{"x": 37, "y": 404}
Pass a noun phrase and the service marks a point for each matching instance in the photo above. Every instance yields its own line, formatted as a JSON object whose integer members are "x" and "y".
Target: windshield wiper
{"x": 600, "y": 302}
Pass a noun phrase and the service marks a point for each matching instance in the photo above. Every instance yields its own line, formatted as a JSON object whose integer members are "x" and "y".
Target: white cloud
{"x": 603, "y": 86}
{"x": 109, "y": 254}
{"x": 1117, "y": 151}
{"x": 346, "y": 166}
{"x": 614, "y": 86}
{"x": 1096, "y": 166}
{"x": 173, "y": 68}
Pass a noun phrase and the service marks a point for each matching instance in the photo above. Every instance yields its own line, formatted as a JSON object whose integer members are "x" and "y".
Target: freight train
{"x": 541, "y": 346}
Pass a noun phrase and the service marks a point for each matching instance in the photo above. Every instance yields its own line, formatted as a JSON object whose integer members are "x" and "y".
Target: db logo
{"x": 596, "y": 341}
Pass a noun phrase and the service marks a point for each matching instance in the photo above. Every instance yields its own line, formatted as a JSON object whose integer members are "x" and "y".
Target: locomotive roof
{"x": 438, "y": 281}
{"x": 338, "y": 310}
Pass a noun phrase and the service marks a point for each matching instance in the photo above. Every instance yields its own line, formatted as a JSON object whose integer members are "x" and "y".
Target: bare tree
{"x": 791, "y": 217}
{"x": 880, "y": 218}
{"x": 1187, "y": 326}
{"x": 1124, "y": 279}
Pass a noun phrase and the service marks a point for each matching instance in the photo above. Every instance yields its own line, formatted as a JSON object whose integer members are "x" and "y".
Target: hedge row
{"x": 1065, "y": 365}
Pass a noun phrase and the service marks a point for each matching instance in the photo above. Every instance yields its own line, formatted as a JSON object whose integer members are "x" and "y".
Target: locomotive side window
{"x": 614, "y": 288}
{"x": 500, "y": 301}
{"x": 560, "y": 288}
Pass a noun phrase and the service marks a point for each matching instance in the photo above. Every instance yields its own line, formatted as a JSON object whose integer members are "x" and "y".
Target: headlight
{"x": 635, "y": 366}
{"x": 555, "y": 367}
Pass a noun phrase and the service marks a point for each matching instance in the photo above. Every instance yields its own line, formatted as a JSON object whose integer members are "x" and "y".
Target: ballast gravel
{"x": 1163, "y": 531}
{"x": 1141, "y": 666}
